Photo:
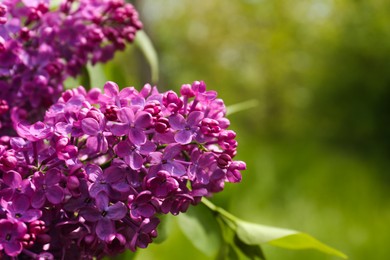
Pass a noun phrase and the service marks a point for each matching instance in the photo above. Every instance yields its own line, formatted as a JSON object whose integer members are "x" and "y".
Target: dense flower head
{"x": 41, "y": 46}
{"x": 92, "y": 177}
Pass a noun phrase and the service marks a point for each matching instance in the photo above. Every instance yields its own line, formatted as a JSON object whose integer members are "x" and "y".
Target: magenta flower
{"x": 14, "y": 184}
{"x": 132, "y": 125}
{"x": 11, "y": 236}
{"x": 133, "y": 154}
{"x": 163, "y": 184}
{"x": 104, "y": 215}
{"x": 110, "y": 181}
{"x": 47, "y": 188}
{"x": 40, "y": 47}
{"x": 142, "y": 205}
{"x": 166, "y": 161}
{"x": 19, "y": 209}
{"x": 112, "y": 95}
{"x": 92, "y": 177}
{"x": 186, "y": 129}
{"x": 140, "y": 236}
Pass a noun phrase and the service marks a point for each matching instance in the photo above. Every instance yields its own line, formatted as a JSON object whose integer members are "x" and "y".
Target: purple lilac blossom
{"x": 41, "y": 46}
{"x": 91, "y": 178}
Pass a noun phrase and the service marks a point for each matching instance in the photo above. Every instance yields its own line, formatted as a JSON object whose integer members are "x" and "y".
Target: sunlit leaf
{"x": 255, "y": 234}
{"x": 143, "y": 42}
{"x": 98, "y": 75}
{"x": 201, "y": 228}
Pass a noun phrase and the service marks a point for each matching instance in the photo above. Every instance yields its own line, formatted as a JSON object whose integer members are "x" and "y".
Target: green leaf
{"x": 163, "y": 228}
{"x": 99, "y": 77}
{"x": 201, "y": 228}
{"x": 242, "y": 106}
{"x": 143, "y": 42}
{"x": 255, "y": 234}
{"x": 305, "y": 241}
{"x": 251, "y": 251}
{"x": 85, "y": 79}
{"x": 227, "y": 252}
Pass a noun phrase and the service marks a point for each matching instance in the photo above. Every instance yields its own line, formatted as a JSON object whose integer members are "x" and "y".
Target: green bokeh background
{"x": 317, "y": 146}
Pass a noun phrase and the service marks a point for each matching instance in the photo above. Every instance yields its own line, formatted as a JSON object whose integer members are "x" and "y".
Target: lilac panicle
{"x": 90, "y": 179}
{"x": 41, "y": 46}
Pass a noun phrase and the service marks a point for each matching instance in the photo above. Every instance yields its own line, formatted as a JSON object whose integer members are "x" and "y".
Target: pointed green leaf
{"x": 85, "y": 79}
{"x": 201, "y": 228}
{"x": 143, "y": 42}
{"x": 242, "y": 106}
{"x": 255, "y": 234}
{"x": 305, "y": 241}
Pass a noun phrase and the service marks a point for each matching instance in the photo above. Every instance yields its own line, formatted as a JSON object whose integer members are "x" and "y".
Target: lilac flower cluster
{"x": 40, "y": 48}
{"x": 91, "y": 179}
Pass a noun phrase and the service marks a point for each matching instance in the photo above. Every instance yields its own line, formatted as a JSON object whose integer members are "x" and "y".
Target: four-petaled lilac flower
{"x": 11, "y": 236}
{"x": 133, "y": 154}
{"x": 110, "y": 181}
{"x": 186, "y": 129}
{"x": 132, "y": 125}
{"x": 202, "y": 166}
{"x": 19, "y": 209}
{"x": 47, "y": 187}
{"x": 112, "y": 95}
{"x": 13, "y": 183}
{"x": 166, "y": 161}
{"x": 105, "y": 215}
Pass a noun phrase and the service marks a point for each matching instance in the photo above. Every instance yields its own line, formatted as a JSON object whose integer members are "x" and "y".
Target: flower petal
{"x": 38, "y": 199}
{"x": 177, "y": 122}
{"x": 183, "y": 136}
{"x": 90, "y": 126}
{"x": 12, "y": 179}
{"x": 105, "y": 228}
{"x": 55, "y": 194}
{"x": 123, "y": 149}
{"x": 126, "y": 115}
{"x": 137, "y": 136}
{"x": 111, "y": 89}
{"x": 194, "y": 118}
{"x": 135, "y": 160}
{"x": 143, "y": 120}
{"x": 13, "y": 248}
{"x": 117, "y": 211}
{"x": 90, "y": 214}
{"x": 119, "y": 129}
{"x": 52, "y": 177}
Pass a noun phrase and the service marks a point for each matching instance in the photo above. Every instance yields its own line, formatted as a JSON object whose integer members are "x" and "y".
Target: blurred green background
{"x": 317, "y": 146}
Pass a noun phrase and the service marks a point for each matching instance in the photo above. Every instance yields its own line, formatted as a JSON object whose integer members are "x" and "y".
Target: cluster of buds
{"x": 41, "y": 47}
{"x": 91, "y": 179}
